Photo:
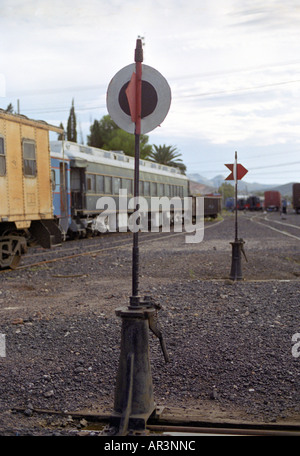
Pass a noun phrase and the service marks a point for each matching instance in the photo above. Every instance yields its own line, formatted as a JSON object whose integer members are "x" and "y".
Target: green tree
{"x": 71, "y": 127}
{"x": 226, "y": 190}
{"x": 105, "y": 134}
{"x": 167, "y": 155}
{"x": 101, "y": 132}
{"x": 10, "y": 108}
{"x": 61, "y": 136}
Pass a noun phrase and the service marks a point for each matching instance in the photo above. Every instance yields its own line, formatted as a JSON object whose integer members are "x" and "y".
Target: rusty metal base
{"x": 236, "y": 263}
{"x": 135, "y": 422}
{"x": 134, "y": 402}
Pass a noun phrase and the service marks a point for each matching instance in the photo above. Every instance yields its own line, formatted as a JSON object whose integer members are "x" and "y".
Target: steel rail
{"x": 160, "y": 237}
{"x": 169, "y": 426}
{"x": 220, "y": 430}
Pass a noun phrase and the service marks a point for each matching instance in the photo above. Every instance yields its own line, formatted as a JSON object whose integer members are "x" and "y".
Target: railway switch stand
{"x": 134, "y": 402}
{"x": 236, "y": 261}
{"x": 237, "y": 172}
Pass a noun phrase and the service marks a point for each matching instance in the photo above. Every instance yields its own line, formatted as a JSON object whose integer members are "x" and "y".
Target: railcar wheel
{"x": 11, "y": 249}
{"x": 15, "y": 261}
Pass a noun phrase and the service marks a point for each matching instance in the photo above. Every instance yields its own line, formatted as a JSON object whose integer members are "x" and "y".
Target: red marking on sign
{"x": 131, "y": 96}
{"x": 240, "y": 170}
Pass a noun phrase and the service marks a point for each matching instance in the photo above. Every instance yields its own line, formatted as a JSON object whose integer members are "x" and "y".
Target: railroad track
{"x": 94, "y": 248}
{"x": 180, "y": 424}
{"x": 283, "y": 226}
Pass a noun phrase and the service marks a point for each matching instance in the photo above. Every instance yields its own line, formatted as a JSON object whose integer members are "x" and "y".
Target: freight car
{"x": 272, "y": 200}
{"x": 212, "y": 201}
{"x": 296, "y": 198}
{"x": 253, "y": 203}
{"x": 83, "y": 174}
{"x": 212, "y": 205}
{"x": 26, "y": 211}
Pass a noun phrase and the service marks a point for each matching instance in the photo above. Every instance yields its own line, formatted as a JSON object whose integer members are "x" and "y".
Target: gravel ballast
{"x": 230, "y": 343}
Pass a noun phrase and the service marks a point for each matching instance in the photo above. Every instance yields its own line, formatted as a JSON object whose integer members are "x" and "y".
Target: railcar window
{"x": 29, "y": 158}
{"x": 154, "y": 189}
{"x": 107, "y": 185}
{"x": 91, "y": 183}
{"x": 100, "y": 184}
{"x": 147, "y": 188}
{"x": 2, "y": 158}
{"x": 127, "y": 184}
{"x": 117, "y": 185}
{"x": 141, "y": 188}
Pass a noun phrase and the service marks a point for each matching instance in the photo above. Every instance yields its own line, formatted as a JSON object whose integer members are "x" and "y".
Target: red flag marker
{"x": 240, "y": 172}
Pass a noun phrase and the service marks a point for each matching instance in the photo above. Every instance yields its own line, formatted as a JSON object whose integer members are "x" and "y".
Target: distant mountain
{"x": 198, "y": 178}
{"x": 285, "y": 190}
{"x": 243, "y": 186}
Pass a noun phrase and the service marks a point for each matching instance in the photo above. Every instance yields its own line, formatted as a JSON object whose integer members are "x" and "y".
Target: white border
{"x": 154, "y": 119}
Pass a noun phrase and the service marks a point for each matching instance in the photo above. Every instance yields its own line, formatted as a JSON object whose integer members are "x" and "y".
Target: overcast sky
{"x": 233, "y": 67}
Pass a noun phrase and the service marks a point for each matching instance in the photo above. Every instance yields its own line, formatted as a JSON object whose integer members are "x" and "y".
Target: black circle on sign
{"x": 149, "y": 99}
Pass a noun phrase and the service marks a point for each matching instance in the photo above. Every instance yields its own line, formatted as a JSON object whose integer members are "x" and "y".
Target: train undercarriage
{"x": 14, "y": 243}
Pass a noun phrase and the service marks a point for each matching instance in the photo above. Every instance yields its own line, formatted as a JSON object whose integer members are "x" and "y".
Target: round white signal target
{"x": 156, "y": 99}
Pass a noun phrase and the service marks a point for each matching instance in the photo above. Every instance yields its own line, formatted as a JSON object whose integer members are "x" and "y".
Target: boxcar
{"x": 212, "y": 205}
{"x": 272, "y": 200}
{"x": 212, "y": 201}
{"x": 26, "y": 212}
{"x": 296, "y": 198}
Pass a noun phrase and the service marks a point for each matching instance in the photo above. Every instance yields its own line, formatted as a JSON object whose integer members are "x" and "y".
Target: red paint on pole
{"x": 131, "y": 97}
{"x": 138, "y": 98}
{"x": 134, "y": 89}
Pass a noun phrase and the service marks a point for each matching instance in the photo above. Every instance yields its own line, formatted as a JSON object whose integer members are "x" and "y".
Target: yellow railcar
{"x": 26, "y": 208}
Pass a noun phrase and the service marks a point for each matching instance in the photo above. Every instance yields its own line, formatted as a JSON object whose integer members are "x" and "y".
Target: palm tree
{"x": 167, "y": 155}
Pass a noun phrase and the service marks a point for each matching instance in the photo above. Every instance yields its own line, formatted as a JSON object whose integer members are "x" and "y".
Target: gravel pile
{"x": 230, "y": 344}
